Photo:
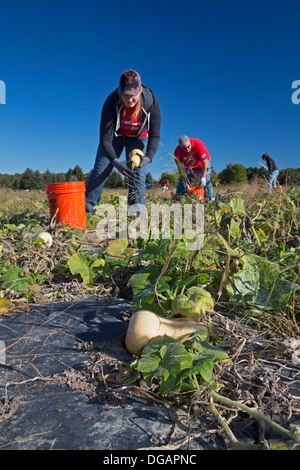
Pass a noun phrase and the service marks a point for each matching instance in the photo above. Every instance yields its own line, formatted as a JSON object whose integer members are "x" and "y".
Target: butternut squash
{"x": 135, "y": 157}
{"x": 145, "y": 325}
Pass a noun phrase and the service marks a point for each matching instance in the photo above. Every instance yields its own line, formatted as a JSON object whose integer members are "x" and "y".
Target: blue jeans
{"x": 272, "y": 180}
{"x": 103, "y": 168}
{"x": 190, "y": 175}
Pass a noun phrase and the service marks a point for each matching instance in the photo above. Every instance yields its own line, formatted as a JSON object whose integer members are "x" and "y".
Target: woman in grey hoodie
{"x": 130, "y": 119}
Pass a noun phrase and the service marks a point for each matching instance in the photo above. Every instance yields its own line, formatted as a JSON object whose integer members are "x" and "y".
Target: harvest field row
{"x": 248, "y": 265}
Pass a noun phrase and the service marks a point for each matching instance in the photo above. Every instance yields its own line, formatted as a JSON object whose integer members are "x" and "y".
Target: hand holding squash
{"x": 135, "y": 158}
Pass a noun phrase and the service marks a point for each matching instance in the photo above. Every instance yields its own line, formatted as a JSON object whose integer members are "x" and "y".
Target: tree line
{"x": 233, "y": 173}
{"x": 31, "y": 179}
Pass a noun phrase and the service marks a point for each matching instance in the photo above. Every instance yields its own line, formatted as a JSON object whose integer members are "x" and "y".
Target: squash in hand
{"x": 135, "y": 157}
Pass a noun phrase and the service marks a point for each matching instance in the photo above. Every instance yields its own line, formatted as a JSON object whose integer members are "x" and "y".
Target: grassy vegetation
{"x": 247, "y": 219}
{"x": 248, "y": 264}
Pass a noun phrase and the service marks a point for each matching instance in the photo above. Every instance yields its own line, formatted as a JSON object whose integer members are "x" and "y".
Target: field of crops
{"x": 248, "y": 264}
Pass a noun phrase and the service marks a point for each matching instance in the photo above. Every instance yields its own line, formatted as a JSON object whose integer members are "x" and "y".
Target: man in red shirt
{"x": 193, "y": 161}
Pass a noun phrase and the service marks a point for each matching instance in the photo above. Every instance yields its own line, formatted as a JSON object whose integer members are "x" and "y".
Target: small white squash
{"x": 145, "y": 325}
{"x": 46, "y": 237}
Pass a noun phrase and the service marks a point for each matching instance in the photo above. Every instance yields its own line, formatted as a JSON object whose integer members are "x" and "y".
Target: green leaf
{"x": 162, "y": 358}
{"x": 99, "y": 268}
{"x": 258, "y": 283}
{"x": 14, "y": 228}
{"x": 79, "y": 264}
{"x": 234, "y": 229}
{"x": 237, "y": 205}
{"x": 203, "y": 366}
{"x": 206, "y": 349}
{"x": 174, "y": 364}
{"x": 11, "y": 280}
{"x": 144, "y": 287}
{"x": 117, "y": 247}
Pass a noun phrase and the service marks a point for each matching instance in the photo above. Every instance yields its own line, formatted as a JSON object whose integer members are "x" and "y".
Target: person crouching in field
{"x": 193, "y": 160}
{"x": 130, "y": 119}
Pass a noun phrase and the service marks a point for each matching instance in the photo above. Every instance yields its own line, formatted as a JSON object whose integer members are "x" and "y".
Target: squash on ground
{"x": 145, "y": 325}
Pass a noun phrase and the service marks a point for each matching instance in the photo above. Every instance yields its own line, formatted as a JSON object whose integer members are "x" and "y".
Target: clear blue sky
{"x": 221, "y": 70}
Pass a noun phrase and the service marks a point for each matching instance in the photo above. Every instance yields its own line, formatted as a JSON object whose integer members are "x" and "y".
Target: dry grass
{"x": 12, "y": 200}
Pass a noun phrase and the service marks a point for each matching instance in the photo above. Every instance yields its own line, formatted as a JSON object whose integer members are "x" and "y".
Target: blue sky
{"x": 222, "y": 72}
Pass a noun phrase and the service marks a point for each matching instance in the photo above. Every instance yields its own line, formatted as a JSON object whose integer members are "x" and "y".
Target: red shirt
{"x": 192, "y": 160}
{"x": 129, "y": 127}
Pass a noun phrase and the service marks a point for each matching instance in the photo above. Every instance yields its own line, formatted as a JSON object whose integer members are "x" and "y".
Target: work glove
{"x": 202, "y": 182}
{"x": 122, "y": 167}
{"x": 144, "y": 161}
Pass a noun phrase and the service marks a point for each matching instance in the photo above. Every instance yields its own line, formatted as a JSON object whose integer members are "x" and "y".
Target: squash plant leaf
{"x": 88, "y": 268}
{"x": 258, "y": 283}
{"x": 163, "y": 358}
{"x": 78, "y": 264}
{"x": 11, "y": 280}
{"x": 145, "y": 289}
{"x": 171, "y": 363}
{"x": 119, "y": 248}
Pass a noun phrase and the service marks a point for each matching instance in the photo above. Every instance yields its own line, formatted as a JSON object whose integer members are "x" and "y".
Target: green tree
{"x": 38, "y": 180}
{"x": 48, "y": 177}
{"x": 214, "y": 178}
{"x": 253, "y": 172}
{"x": 69, "y": 174}
{"x": 27, "y": 180}
{"x": 149, "y": 179}
{"x": 78, "y": 173}
{"x": 171, "y": 177}
{"x": 233, "y": 173}
{"x": 74, "y": 175}
{"x": 289, "y": 176}
{"x": 114, "y": 180}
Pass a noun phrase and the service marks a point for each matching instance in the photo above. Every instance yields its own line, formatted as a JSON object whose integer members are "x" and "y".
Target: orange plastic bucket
{"x": 197, "y": 192}
{"x": 67, "y": 203}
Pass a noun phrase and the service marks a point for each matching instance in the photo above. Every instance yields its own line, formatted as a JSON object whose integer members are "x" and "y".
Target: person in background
{"x": 193, "y": 160}
{"x": 273, "y": 171}
{"x": 165, "y": 185}
{"x": 130, "y": 119}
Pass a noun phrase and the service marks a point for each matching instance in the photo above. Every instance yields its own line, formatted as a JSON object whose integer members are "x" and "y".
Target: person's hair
{"x": 183, "y": 139}
{"x": 137, "y": 109}
{"x": 264, "y": 156}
